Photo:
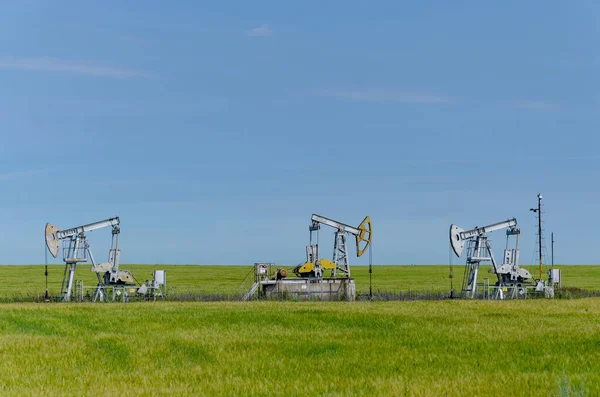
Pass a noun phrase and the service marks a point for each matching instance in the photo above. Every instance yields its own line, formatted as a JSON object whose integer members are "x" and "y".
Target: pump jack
{"x": 315, "y": 265}
{"x": 76, "y": 249}
{"x": 479, "y": 250}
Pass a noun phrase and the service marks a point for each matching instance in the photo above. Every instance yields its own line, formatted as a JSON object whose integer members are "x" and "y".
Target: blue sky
{"x": 215, "y": 129}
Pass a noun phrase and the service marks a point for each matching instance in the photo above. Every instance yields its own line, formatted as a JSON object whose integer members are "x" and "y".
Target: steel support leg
{"x": 69, "y": 290}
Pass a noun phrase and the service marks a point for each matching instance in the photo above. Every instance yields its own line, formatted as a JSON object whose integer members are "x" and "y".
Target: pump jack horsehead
{"x": 76, "y": 249}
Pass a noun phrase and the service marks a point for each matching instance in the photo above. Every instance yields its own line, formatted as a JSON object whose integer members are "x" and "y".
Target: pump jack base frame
{"x": 521, "y": 290}
{"x": 310, "y": 288}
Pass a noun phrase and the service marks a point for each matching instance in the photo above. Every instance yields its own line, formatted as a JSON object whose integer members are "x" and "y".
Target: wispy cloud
{"x": 263, "y": 30}
{"x": 18, "y": 175}
{"x": 534, "y": 104}
{"x": 388, "y": 96}
{"x": 454, "y": 161}
{"x": 47, "y": 64}
{"x": 581, "y": 158}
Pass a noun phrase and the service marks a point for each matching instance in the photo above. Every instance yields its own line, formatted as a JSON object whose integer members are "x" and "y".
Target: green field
{"x": 533, "y": 347}
{"x": 421, "y": 348}
{"x": 27, "y": 280}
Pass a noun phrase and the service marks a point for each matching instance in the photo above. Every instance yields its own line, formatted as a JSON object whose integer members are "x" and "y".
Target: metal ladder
{"x": 251, "y": 291}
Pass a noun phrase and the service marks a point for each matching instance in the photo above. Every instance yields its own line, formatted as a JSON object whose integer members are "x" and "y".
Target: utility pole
{"x": 539, "y": 212}
{"x": 46, "y": 297}
{"x": 370, "y": 274}
{"x": 552, "y": 237}
{"x": 370, "y": 281}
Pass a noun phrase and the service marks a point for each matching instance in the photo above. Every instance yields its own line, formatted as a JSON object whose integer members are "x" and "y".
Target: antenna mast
{"x": 538, "y": 210}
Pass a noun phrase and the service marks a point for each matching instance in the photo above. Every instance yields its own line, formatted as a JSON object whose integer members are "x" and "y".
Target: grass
{"x": 29, "y": 280}
{"x": 420, "y": 348}
{"x": 440, "y": 348}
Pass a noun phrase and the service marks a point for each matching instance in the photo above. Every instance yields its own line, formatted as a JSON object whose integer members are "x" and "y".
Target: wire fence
{"x": 377, "y": 296}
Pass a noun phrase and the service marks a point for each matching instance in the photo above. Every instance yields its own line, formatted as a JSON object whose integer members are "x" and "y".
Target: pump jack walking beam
{"x": 458, "y": 236}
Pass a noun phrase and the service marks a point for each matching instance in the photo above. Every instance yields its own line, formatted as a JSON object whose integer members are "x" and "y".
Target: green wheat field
{"x": 533, "y": 347}
{"x": 30, "y": 280}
